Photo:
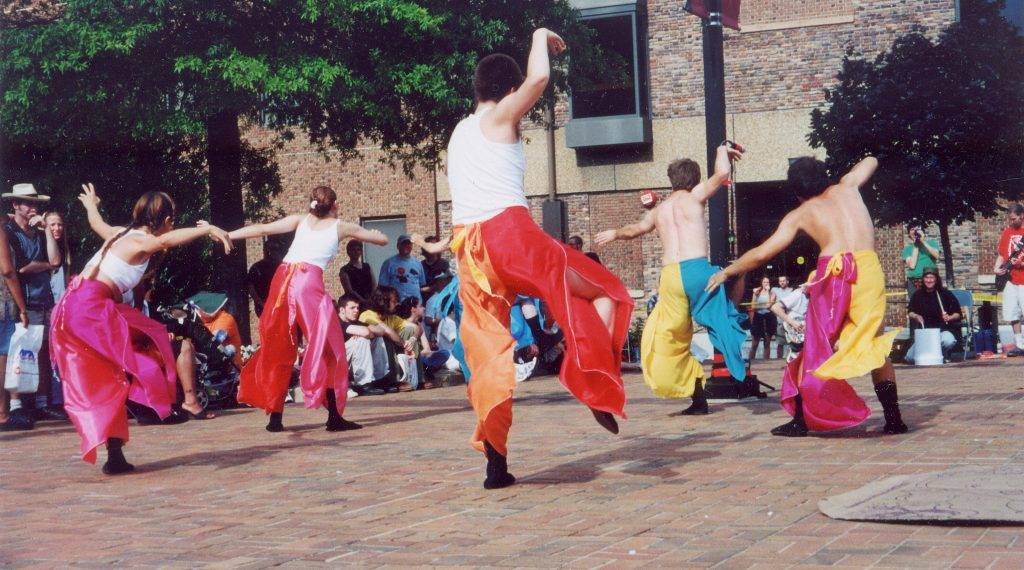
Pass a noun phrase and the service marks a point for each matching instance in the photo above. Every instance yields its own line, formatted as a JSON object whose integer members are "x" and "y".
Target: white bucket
{"x": 927, "y": 347}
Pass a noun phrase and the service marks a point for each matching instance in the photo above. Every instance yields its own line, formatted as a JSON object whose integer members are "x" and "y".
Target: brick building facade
{"x": 776, "y": 69}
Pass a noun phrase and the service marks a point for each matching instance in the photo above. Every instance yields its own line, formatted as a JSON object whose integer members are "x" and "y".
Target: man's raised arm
{"x": 723, "y": 158}
{"x": 510, "y": 110}
{"x": 861, "y": 172}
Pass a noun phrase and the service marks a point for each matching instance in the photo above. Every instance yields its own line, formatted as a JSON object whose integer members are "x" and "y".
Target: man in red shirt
{"x": 1011, "y": 254}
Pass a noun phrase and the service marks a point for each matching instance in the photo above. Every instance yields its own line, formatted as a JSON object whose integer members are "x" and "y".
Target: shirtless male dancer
{"x": 843, "y": 326}
{"x": 501, "y": 252}
{"x": 669, "y": 368}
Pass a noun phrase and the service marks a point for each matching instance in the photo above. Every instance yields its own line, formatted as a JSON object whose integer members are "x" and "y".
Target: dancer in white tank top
{"x": 501, "y": 252}
{"x": 297, "y": 298}
{"x": 108, "y": 352}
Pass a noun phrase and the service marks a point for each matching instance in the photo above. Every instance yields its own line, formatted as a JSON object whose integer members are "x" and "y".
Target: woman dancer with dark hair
{"x": 297, "y": 299}
{"x": 106, "y": 350}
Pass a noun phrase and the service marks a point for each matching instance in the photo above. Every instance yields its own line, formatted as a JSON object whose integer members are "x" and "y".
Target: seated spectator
{"x": 381, "y": 311}
{"x": 215, "y": 318}
{"x": 550, "y": 340}
{"x": 934, "y": 307}
{"x": 364, "y": 347}
{"x": 412, "y": 311}
{"x": 185, "y": 366}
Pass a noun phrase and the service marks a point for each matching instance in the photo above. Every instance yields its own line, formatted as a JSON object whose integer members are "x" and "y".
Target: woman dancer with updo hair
{"x": 298, "y": 300}
{"x": 106, "y": 350}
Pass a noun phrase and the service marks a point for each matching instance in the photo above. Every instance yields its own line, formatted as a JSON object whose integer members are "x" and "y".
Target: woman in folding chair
{"x": 935, "y": 307}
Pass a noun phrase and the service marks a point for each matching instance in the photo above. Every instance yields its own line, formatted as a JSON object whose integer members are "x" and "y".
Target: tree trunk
{"x": 224, "y": 158}
{"x": 947, "y": 254}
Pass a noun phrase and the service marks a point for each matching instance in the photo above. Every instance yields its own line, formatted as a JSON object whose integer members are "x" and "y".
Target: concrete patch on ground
{"x": 959, "y": 494}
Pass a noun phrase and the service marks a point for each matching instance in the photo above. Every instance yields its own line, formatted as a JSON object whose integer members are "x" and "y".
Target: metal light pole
{"x": 720, "y": 384}
{"x": 714, "y": 121}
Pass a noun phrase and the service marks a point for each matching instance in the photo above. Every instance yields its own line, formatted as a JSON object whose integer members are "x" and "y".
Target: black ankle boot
{"x": 497, "y": 469}
{"x": 886, "y": 392}
{"x": 699, "y": 407}
{"x": 275, "y": 423}
{"x": 795, "y": 427}
{"x": 334, "y": 420}
{"x": 116, "y": 463}
{"x": 606, "y": 419}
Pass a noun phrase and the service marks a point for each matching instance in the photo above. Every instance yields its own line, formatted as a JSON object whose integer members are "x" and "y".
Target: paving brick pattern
{"x": 668, "y": 492}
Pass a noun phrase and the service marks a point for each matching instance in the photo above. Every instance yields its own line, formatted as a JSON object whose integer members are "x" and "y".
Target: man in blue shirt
{"x": 34, "y": 252}
{"x": 404, "y": 272}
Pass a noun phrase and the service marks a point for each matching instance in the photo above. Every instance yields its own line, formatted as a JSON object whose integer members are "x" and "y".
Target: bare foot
{"x": 198, "y": 411}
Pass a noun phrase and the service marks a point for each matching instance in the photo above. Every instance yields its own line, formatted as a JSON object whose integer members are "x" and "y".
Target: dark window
{"x": 613, "y": 90}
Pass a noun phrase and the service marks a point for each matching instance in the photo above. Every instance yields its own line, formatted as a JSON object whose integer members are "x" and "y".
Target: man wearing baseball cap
{"x": 35, "y": 252}
{"x": 404, "y": 272}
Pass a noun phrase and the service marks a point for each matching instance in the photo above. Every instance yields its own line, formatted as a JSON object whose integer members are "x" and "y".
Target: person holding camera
{"x": 920, "y": 255}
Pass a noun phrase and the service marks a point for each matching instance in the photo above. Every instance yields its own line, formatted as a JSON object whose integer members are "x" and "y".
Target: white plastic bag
{"x": 22, "y": 374}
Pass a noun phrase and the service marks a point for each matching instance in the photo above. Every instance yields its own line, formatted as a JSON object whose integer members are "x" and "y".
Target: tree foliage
{"x": 108, "y": 85}
{"x": 942, "y": 116}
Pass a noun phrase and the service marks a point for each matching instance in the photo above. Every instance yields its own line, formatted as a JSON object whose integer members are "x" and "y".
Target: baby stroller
{"x": 217, "y": 376}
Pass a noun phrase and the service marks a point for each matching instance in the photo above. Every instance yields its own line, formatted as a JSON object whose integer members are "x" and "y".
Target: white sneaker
{"x": 525, "y": 369}
{"x": 352, "y": 393}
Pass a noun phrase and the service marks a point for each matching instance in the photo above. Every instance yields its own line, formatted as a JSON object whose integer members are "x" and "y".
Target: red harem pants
{"x": 296, "y": 298}
{"x": 99, "y": 345}
{"x": 509, "y": 255}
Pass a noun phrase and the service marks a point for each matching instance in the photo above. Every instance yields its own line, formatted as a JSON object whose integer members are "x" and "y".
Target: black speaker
{"x": 554, "y": 219}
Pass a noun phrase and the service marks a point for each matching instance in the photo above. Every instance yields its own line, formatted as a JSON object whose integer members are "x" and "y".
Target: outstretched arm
{"x": 91, "y": 201}
{"x": 174, "y": 238}
{"x": 763, "y": 253}
{"x": 354, "y": 231}
{"x": 630, "y": 231}
{"x": 860, "y": 173}
{"x": 723, "y": 157}
{"x": 510, "y": 110}
{"x": 431, "y": 247}
{"x": 282, "y": 226}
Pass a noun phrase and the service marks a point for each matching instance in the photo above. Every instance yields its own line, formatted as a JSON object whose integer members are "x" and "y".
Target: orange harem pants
{"x": 509, "y": 255}
{"x": 297, "y": 298}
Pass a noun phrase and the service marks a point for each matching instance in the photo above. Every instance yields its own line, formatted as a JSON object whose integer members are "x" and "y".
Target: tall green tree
{"x": 395, "y": 72}
{"x": 942, "y": 116}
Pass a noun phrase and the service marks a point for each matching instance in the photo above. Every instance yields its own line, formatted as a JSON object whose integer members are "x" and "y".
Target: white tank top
{"x": 484, "y": 177}
{"x": 315, "y": 247}
{"x": 121, "y": 273}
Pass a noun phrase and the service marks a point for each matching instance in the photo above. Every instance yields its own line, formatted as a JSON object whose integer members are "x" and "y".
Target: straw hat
{"x": 26, "y": 192}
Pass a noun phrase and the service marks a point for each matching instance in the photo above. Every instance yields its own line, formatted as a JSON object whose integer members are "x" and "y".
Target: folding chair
{"x": 966, "y": 301}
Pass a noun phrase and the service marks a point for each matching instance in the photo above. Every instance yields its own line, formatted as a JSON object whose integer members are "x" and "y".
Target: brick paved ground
{"x": 715, "y": 491}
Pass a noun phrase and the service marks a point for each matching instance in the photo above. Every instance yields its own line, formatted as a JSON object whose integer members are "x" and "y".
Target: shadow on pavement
{"x": 647, "y": 456}
{"x": 225, "y": 458}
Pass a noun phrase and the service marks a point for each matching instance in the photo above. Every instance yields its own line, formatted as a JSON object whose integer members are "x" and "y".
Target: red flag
{"x": 730, "y": 11}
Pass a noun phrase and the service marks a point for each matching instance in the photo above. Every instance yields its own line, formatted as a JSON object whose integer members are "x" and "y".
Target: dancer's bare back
{"x": 680, "y": 223}
{"x": 679, "y": 219}
{"x": 837, "y": 219}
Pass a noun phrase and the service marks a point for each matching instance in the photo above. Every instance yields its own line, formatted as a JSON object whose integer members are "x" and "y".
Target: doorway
{"x": 760, "y": 206}
{"x": 374, "y": 255}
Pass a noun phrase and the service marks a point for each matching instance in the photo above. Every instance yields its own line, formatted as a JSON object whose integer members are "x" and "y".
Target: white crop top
{"x": 315, "y": 247}
{"x": 124, "y": 275}
{"x": 484, "y": 177}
